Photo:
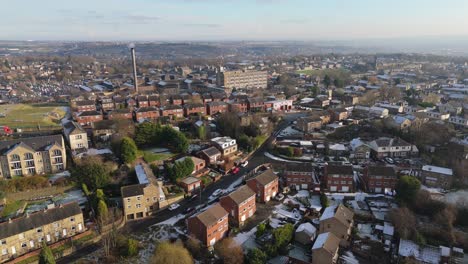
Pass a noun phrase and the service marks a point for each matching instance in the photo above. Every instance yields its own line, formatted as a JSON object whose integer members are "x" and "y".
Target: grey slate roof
{"x": 38, "y": 219}
{"x": 35, "y": 143}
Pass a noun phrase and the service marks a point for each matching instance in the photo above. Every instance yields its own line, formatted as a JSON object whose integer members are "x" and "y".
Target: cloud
{"x": 141, "y": 19}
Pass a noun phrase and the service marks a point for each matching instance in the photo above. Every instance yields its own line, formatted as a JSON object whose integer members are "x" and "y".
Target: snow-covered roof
{"x": 425, "y": 254}
{"x": 388, "y": 229}
{"x": 328, "y": 213}
{"x": 338, "y": 147}
{"x": 307, "y": 228}
{"x": 320, "y": 241}
{"x": 436, "y": 169}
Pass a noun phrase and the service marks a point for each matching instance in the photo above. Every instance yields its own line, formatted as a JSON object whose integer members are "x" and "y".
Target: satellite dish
{"x": 131, "y": 45}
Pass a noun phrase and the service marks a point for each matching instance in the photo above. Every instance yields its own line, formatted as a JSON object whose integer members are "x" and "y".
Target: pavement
{"x": 256, "y": 159}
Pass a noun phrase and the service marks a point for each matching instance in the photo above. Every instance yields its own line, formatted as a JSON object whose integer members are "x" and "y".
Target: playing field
{"x": 24, "y": 116}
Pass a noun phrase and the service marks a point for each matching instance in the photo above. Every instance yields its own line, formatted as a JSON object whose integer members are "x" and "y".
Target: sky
{"x": 197, "y": 20}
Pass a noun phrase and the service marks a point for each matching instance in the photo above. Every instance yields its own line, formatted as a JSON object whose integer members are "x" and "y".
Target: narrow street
{"x": 256, "y": 159}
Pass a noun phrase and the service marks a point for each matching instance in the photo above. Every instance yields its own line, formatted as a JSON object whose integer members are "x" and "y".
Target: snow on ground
{"x": 59, "y": 175}
{"x": 457, "y": 197}
{"x": 94, "y": 152}
{"x": 171, "y": 221}
{"x": 365, "y": 230}
{"x": 273, "y": 157}
{"x": 289, "y": 131}
{"x": 349, "y": 258}
{"x": 233, "y": 185}
{"x": 315, "y": 204}
{"x": 241, "y": 238}
{"x": 432, "y": 190}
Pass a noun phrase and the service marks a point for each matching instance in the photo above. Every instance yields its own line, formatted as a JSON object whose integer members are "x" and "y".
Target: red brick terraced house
{"x": 120, "y": 114}
{"x": 174, "y": 111}
{"x": 142, "y": 101}
{"x": 85, "y": 105}
{"x": 240, "y": 106}
{"x": 194, "y": 109}
{"x": 301, "y": 176}
{"x": 153, "y": 100}
{"x": 255, "y": 104}
{"x": 146, "y": 113}
{"x": 87, "y": 118}
{"x": 209, "y": 226}
{"x": 240, "y": 205}
{"x": 266, "y": 185}
{"x": 339, "y": 178}
{"x": 380, "y": 179}
{"x": 213, "y": 108}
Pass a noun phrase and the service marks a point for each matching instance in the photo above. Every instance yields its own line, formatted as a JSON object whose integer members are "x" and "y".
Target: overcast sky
{"x": 230, "y": 19}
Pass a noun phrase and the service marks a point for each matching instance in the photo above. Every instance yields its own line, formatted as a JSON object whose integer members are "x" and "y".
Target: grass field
{"x": 23, "y": 116}
{"x": 151, "y": 157}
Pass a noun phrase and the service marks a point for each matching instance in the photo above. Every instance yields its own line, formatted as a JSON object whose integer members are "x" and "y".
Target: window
{"x": 138, "y": 198}
{"x": 28, "y": 156}
{"x": 30, "y": 163}
{"x": 15, "y": 157}
{"x": 23, "y": 245}
{"x": 4, "y": 252}
{"x": 3, "y": 242}
{"x": 78, "y": 137}
{"x": 80, "y": 145}
{"x": 138, "y": 205}
{"x": 128, "y": 200}
{"x": 55, "y": 224}
{"x": 72, "y": 219}
{"x": 57, "y": 152}
{"x": 21, "y": 236}
{"x": 39, "y": 230}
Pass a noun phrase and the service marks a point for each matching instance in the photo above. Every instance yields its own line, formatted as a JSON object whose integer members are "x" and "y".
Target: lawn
{"x": 11, "y": 207}
{"x": 23, "y": 116}
{"x": 151, "y": 157}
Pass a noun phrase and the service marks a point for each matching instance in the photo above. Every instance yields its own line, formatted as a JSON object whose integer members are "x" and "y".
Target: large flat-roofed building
{"x": 31, "y": 156}
{"x": 22, "y": 235}
{"x": 243, "y": 79}
{"x": 438, "y": 177}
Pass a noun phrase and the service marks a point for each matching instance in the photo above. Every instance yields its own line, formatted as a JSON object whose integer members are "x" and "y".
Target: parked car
{"x": 172, "y": 207}
{"x": 235, "y": 170}
{"x": 279, "y": 197}
{"x": 189, "y": 210}
{"x": 245, "y": 163}
{"x": 217, "y": 192}
{"x": 389, "y": 160}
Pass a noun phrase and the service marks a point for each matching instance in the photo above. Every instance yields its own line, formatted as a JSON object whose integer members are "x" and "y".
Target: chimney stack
{"x": 135, "y": 81}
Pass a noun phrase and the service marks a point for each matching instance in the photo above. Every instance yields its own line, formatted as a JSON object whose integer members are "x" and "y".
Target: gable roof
{"x": 241, "y": 194}
{"x": 340, "y": 213}
{"x": 35, "y": 143}
{"x": 38, "y": 219}
{"x": 327, "y": 241}
{"x": 211, "y": 151}
{"x": 132, "y": 190}
{"x": 340, "y": 169}
{"x": 212, "y": 215}
{"x": 381, "y": 171}
{"x": 266, "y": 177}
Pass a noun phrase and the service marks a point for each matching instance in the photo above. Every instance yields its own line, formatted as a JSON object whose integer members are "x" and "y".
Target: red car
{"x": 235, "y": 170}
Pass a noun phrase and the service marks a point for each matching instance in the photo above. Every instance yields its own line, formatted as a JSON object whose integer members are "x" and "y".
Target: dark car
{"x": 189, "y": 210}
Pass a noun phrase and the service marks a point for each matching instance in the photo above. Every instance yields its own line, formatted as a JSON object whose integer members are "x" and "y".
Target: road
{"x": 256, "y": 159}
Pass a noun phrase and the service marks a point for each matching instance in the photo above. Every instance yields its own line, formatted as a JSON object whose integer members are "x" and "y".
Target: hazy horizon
{"x": 243, "y": 20}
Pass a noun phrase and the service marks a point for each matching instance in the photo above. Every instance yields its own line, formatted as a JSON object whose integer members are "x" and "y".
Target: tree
{"x": 229, "y": 251}
{"x": 46, "y": 256}
{"x": 339, "y": 83}
{"x": 283, "y": 236}
{"x": 404, "y": 221}
{"x": 256, "y": 256}
{"x": 261, "y": 228}
{"x": 201, "y": 131}
{"x": 168, "y": 253}
{"x": 102, "y": 211}
{"x": 128, "y": 150}
{"x": 324, "y": 200}
{"x": 180, "y": 169}
{"x": 229, "y": 125}
{"x": 327, "y": 80}
{"x": 91, "y": 172}
{"x": 407, "y": 188}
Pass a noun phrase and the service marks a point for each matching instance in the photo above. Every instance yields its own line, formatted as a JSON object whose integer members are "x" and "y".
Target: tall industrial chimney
{"x": 135, "y": 81}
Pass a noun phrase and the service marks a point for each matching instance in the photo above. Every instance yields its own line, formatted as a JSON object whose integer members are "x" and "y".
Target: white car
{"x": 218, "y": 192}
{"x": 172, "y": 207}
{"x": 245, "y": 163}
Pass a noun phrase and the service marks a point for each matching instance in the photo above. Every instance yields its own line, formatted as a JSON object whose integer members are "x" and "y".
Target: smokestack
{"x": 135, "y": 81}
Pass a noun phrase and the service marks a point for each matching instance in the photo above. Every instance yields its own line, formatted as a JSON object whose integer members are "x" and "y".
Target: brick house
{"x": 211, "y": 155}
{"x": 194, "y": 109}
{"x": 190, "y": 184}
{"x": 153, "y": 100}
{"x": 120, "y": 114}
{"x": 339, "y": 178}
{"x": 146, "y": 113}
{"x": 434, "y": 176}
{"x": 107, "y": 103}
{"x": 339, "y": 114}
{"x": 131, "y": 103}
{"x": 240, "y": 205}
{"x": 213, "y": 108}
{"x": 337, "y": 220}
{"x": 119, "y": 102}
{"x": 255, "y": 104}
{"x": 198, "y": 163}
{"x": 209, "y": 226}
{"x": 176, "y": 100}
{"x": 240, "y": 106}
{"x": 206, "y": 98}
{"x": 142, "y": 101}
{"x": 325, "y": 249}
{"x": 301, "y": 176}
{"x": 226, "y": 145}
{"x": 86, "y": 118}
{"x": 266, "y": 185}
{"x": 173, "y": 111}
{"x": 380, "y": 179}
{"x": 85, "y": 105}
{"x": 309, "y": 124}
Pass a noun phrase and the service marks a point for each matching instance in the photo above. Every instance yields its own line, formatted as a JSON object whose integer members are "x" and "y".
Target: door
{"x": 64, "y": 232}
{"x": 344, "y": 188}
{"x": 243, "y": 218}
{"x": 48, "y": 238}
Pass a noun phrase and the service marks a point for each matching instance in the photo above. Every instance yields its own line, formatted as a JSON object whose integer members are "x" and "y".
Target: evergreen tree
{"x": 46, "y": 256}
{"x": 128, "y": 150}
